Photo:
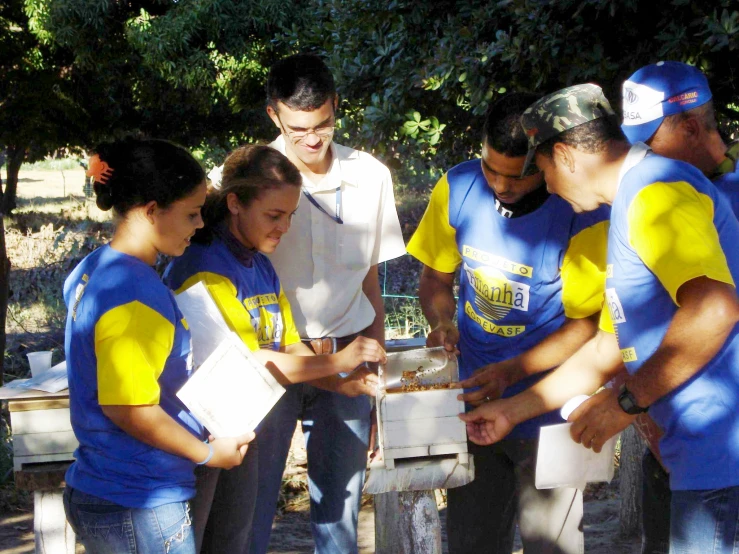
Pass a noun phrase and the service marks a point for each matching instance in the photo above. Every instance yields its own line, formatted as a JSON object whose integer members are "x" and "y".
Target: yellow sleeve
{"x": 433, "y": 243}
{"x": 584, "y": 271}
{"x": 233, "y": 311}
{"x": 671, "y": 229}
{"x": 132, "y": 344}
{"x": 290, "y": 334}
{"x": 606, "y": 323}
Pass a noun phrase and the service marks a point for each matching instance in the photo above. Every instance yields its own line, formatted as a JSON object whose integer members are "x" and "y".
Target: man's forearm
{"x": 593, "y": 365}
{"x": 371, "y": 289}
{"x": 437, "y": 299}
{"x": 708, "y": 312}
{"x": 553, "y": 350}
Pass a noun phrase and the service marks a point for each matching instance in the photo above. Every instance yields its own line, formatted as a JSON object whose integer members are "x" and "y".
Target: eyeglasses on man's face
{"x": 323, "y": 131}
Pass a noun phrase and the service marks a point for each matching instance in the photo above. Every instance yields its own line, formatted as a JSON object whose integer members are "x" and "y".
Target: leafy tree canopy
{"x": 415, "y": 78}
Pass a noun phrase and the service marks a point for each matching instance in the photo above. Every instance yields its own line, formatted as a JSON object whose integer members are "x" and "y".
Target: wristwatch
{"x": 628, "y": 403}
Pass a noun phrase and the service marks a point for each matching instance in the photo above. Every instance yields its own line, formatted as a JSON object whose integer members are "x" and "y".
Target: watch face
{"x": 628, "y": 403}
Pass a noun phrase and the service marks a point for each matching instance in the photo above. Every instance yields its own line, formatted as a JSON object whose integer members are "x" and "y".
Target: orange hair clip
{"x": 99, "y": 169}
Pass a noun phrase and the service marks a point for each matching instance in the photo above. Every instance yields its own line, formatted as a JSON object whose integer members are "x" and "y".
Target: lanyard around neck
{"x": 337, "y": 217}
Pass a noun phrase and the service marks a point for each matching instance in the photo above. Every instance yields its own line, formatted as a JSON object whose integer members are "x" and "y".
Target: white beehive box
{"x": 419, "y": 423}
{"x": 42, "y": 431}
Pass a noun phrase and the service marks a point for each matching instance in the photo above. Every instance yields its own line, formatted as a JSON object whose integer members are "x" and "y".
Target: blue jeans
{"x": 223, "y": 507}
{"x": 706, "y": 522}
{"x": 656, "y": 501}
{"x": 482, "y": 515}
{"x": 336, "y": 430}
{"x": 108, "y": 528}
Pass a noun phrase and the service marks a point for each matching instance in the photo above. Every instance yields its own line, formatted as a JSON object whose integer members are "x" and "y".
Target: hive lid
{"x": 419, "y": 369}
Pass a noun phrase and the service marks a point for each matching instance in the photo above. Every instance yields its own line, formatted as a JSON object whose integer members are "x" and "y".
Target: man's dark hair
{"x": 301, "y": 82}
{"x": 503, "y": 131}
{"x": 591, "y": 137}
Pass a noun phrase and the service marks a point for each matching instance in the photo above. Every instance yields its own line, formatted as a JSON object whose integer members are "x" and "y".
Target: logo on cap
{"x": 631, "y": 96}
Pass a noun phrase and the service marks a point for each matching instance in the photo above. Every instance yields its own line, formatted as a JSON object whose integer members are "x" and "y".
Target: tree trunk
{"x": 4, "y": 287}
{"x": 630, "y": 476}
{"x": 16, "y": 156}
{"x": 407, "y": 523}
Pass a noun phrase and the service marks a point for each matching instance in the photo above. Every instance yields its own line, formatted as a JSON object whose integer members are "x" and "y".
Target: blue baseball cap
{"x": 657, "y": 91}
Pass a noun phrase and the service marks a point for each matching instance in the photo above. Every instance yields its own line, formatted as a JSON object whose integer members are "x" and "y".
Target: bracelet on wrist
{"x": 208, "y": 457}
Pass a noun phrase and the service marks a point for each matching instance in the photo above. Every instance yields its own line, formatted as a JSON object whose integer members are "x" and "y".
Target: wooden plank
{"x": 420, "y": 405}
{"x": 44, "y": 443}
{"x": 401, "y": 345}
{"x": 11, "y": 394}
{"x": 424, "y": 432}
{"x": 422, "y": 451}
{"x": 52, "y": 533}
{"x": 21, "y": 463}
{"x": 407, "y": 523}
{"x": 40, "y": 421}
{"x": 23, "y": 405}
{"x": 41, "y": 476}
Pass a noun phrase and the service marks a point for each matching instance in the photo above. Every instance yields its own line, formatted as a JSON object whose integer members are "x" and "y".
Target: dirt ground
{"x": 291, "y": 534}
{"x": 291, "y": 530}
{"x": 50, "y": 184}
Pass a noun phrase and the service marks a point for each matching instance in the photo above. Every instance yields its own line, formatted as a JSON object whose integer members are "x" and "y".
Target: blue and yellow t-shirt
{"x": 669, "y": 225}
{"x": 726, "y": 177}
{"x": 250, "y": 298}
{"x": 126, "y": 344}
{"x": 520, "y": 277}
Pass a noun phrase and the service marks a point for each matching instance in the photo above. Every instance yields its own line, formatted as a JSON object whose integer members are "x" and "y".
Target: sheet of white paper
{"x": 53, "y": 379}
{"x": 207, "y": 326}
{"x": 561, "y": 462}
{"x": 231, "y": 392}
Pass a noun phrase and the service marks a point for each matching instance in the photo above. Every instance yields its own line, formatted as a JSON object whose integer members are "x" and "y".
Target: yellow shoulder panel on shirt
{"x": 606, "y": 323}
{"x": 433, "y": 243}
{"x": 671, "y": 229}
{"x": 290, "y": 334}
{"x": 584, "y": 271}
{"x": 132, "y": 344}
{"x": 233, "y": 311}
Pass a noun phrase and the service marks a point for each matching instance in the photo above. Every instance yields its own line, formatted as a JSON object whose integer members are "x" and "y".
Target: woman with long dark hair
{"x": 128, "y": 352}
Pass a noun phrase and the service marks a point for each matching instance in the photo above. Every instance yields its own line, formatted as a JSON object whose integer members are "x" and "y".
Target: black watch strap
{"x": 628, "y": 403}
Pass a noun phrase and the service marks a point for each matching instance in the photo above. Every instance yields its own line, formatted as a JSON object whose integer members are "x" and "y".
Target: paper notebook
{"x": 231, "y": 392}
{"x": 561, "y": 462}
{"x": 207, "y": 326}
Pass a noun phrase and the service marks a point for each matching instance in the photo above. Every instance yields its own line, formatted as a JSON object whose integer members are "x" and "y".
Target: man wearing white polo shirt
{"x": 346, "y": 224}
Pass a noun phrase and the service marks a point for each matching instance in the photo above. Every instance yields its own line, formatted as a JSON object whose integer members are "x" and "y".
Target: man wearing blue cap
{"x": 671, "y": 317}
{"x": 686, "y": 130}
{"x": 669, "y": 106}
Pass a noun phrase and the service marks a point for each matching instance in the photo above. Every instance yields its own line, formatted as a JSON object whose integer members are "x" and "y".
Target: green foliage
{"x": 414, "y": 78}
{"x": 37, "y": 110}
{"x": 191, "y": 71}
{"x": 401, "y": 66}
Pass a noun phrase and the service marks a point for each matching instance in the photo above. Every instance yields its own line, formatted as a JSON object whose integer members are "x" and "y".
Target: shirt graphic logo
{"x": 78, "y": 292}
{"x": 497, "y": 262}
{"x": 628, "y": 355}
{"x": 495, "y": 295}
{"x": 268, "y": 327}
{"x": 254, "y": 302}
{"x": 614, "y": 307}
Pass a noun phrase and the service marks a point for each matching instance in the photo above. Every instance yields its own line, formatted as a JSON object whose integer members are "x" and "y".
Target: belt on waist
{"x": 330, "y": 345}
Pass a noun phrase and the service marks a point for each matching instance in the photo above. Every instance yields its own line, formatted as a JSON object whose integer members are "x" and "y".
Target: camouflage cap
{"x": 561, "y": 111}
